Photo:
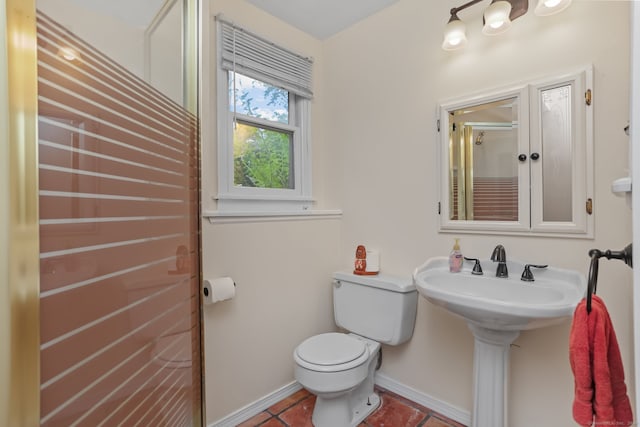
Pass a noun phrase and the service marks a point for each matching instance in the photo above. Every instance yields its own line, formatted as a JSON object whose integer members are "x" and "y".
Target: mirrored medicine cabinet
{"x": 519, "y": 160}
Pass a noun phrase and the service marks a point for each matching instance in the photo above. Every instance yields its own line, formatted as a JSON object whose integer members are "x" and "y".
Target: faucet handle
{"x": 527, "y": 275}
{"x": 477, "y": 268}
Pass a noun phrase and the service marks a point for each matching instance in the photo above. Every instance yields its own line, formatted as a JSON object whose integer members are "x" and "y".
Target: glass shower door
{"x": 119, "y": 233}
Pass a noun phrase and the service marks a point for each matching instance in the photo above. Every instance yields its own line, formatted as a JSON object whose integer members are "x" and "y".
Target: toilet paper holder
{"x": 219, "y": 289}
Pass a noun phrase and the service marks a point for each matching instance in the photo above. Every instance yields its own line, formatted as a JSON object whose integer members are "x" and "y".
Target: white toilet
{"x": 339, "y": 368}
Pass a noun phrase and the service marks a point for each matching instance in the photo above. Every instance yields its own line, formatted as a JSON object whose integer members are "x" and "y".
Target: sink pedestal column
{"x": 490, "y": 375}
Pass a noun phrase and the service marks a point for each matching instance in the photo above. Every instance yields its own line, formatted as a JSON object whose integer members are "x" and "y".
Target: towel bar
{"x": 625, "y": 255}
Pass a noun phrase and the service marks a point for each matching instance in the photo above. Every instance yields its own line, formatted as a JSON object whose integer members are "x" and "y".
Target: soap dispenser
{"x": 455, "y": 258}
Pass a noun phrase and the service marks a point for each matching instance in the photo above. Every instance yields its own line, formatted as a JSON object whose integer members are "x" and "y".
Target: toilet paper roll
{"x": 373, "y": 261}
{"x": 220, "y": 289}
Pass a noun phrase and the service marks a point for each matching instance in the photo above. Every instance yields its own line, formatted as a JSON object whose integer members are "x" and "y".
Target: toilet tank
{"x": 382, "y": 307}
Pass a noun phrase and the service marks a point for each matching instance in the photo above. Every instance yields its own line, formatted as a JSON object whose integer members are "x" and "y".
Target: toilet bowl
{"x": 339, "y": 369}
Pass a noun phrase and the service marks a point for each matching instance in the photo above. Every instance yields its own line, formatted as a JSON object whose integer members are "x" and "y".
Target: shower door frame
{"x": 20, "y": 336}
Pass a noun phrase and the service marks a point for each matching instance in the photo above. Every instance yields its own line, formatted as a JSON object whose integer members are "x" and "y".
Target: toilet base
{"x": 365, "y": 409}
{"x": 339, "y": 413}
{"x": 338, "y": 410}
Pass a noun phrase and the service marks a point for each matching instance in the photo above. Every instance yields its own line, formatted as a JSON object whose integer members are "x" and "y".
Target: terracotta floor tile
{"x": 299, "y": 415}
{"x": 273, "y": 422}
{"x": 393, "y": 412}
{"x": 403, "y": 400}
{"x": 260, "y": 418}
{"x": 289, "y": 401}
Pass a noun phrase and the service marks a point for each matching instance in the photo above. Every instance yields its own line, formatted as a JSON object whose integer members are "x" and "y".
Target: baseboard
{"x": 441, "y": 407}
{"x": 253, "y": 409}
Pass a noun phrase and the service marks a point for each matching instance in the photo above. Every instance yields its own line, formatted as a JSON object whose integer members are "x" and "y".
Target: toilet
{"x": 339, "y": 368}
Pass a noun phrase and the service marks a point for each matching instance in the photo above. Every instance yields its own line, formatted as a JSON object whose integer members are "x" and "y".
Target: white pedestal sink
{"x": 497, "y": 310}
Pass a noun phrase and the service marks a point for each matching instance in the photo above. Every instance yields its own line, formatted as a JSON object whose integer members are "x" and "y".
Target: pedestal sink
{"x": 497, "y": 310}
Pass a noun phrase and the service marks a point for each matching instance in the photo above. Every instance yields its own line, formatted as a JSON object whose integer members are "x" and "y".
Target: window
{"x": 262, "y": 139}
{"x": 264, "y": 93}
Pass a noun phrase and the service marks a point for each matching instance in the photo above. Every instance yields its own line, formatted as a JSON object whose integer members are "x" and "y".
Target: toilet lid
{"x": 330, "y": 349}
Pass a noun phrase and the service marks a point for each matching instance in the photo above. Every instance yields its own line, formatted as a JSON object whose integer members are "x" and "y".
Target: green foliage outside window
{"x": 261, "y": 156}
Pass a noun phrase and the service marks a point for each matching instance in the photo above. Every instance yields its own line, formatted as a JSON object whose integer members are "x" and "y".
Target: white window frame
{"x": 234, "y": 200}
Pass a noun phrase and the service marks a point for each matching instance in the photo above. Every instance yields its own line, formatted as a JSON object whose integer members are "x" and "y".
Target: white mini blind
{"x": 261, "y": 59}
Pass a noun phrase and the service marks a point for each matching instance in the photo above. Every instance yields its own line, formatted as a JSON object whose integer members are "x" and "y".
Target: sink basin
{"x": 505, "y": 304}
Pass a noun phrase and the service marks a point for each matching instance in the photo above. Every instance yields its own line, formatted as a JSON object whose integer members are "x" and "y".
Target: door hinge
{"x": 588, "y": 97}
{"x": 438, "y": 124}
{"x": 438, "y": 208}
{"x": 589, "y": 206}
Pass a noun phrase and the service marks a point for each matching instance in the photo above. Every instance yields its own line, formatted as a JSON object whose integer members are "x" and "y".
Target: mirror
{"x": 483, "y": 173}
{"x": 516, "y": 160}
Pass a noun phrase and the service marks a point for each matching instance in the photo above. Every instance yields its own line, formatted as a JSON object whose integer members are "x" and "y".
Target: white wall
{"x": 282, "y": 269}
{"x": 384, "y": 78}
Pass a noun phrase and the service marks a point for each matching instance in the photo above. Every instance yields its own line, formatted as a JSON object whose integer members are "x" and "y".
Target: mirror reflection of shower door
{"x": 461, "y": 157}
{"x": 483, "y": 172}
{"x": 119, "y": 245}
{"x": 483, "y": 162}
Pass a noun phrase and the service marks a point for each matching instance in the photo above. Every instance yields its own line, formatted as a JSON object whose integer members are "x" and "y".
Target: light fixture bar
{"x": 518, "y": 7}
{"x": 455, "y": 10}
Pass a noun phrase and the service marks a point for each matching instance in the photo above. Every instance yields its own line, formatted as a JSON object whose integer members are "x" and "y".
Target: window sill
{"x": 218, "y": 217}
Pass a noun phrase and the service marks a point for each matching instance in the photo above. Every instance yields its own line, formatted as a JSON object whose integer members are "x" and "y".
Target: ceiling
{"x": 321, "y": 18}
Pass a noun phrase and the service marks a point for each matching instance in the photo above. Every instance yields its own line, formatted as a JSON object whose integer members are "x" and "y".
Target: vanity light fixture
{"x": 497, "y": 18}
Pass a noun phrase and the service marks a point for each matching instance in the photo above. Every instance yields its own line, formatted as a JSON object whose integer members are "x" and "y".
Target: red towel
{"x": 600, "y": 392}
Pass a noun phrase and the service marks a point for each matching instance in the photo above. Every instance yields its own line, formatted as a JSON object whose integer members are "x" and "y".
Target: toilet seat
{"x": 331, "y": 352}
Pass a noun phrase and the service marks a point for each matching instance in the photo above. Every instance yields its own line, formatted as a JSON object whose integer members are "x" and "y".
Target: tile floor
{"x": 394, "y": 411}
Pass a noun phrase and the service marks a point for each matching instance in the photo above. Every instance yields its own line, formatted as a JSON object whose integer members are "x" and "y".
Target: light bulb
{"x": 496, "y": 18}
{"x": 455, "y": 41}
{"x": 454, "y": 34}
{"x": 550, "y": 7}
